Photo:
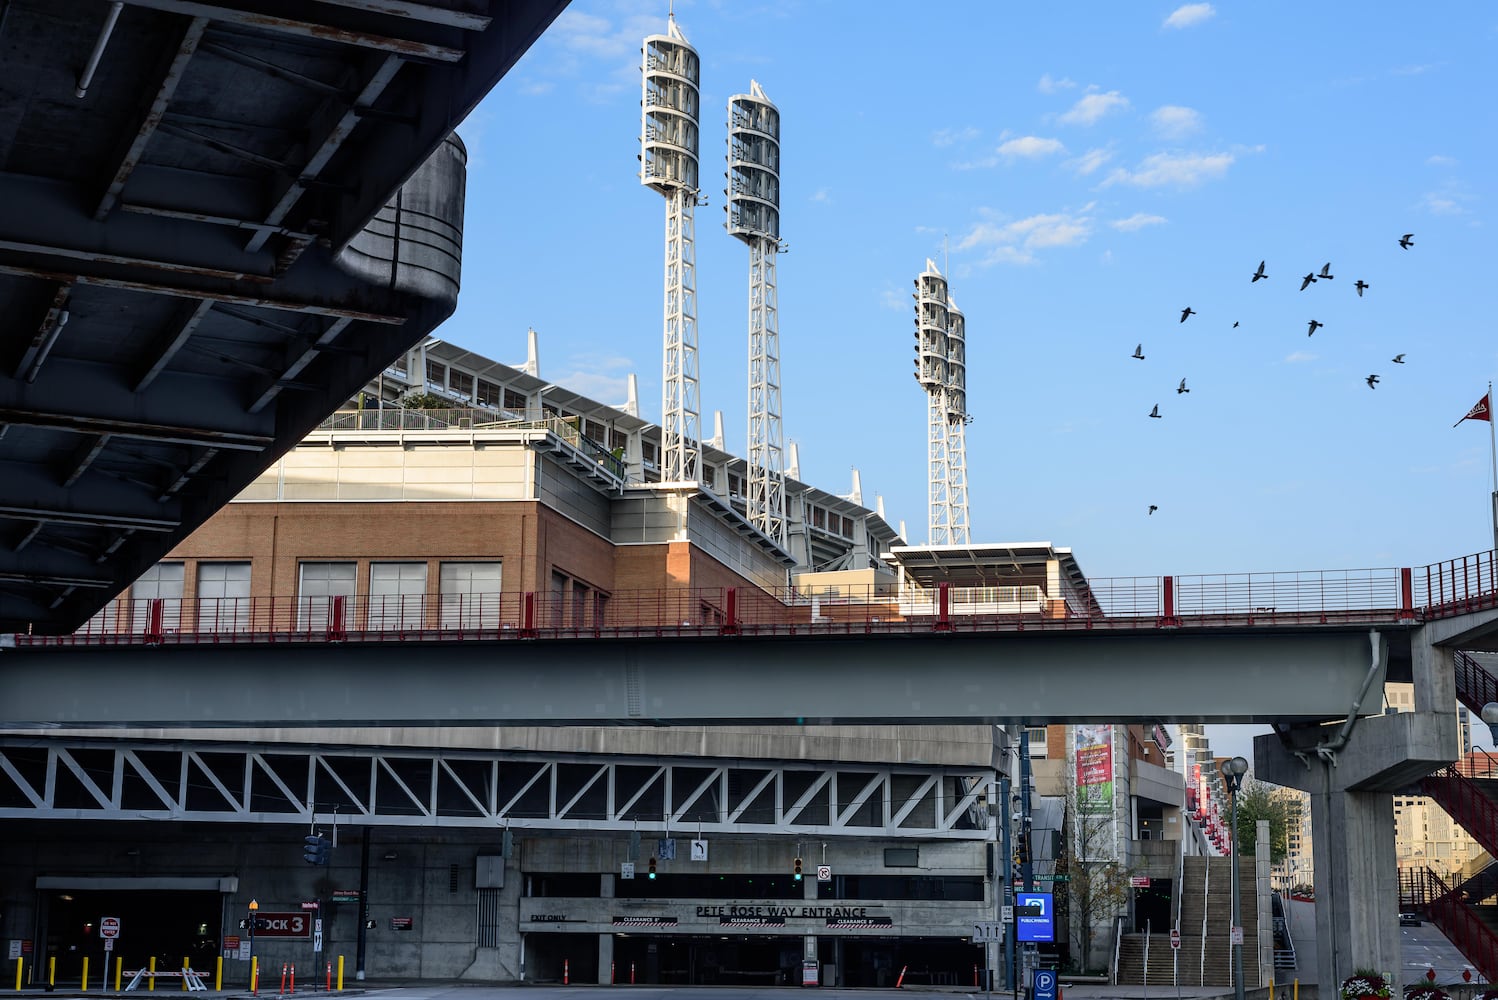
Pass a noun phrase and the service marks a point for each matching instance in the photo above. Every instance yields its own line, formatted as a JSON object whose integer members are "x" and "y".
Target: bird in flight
{"x": 1407, "y": 240}
{"x": 1188, "y": 311}
{"x": 1326, "y": 272}
{"x": 1182, "y": 387}
{"x": 1314, "y": 325}
{"x": 1258, "y": 274}
{"x": 1138, "y": 352}
{"x": 1235, "y": 324}
{"x": 1399, "y": 359}
{"x": 1153, "y": 508}
{"x": 1372, "y": 381}
{"x": 1156, "y": 412}
{"x": 1309, "y": 279}
{"x": 1360, "y": 286}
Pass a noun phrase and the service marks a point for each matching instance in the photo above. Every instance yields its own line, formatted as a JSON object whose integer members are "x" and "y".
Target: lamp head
{"x": 1233, "y": 772}
{"x": 1490, "y": 716}
{"x": 254, "y": 905}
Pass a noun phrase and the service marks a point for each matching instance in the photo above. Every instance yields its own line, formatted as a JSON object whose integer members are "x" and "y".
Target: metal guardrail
{"x": 1303, "y": 599}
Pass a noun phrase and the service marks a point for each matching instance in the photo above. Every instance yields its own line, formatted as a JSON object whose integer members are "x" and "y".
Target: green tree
{"x": 1097, "y": 886}
{"x": 1257, "y": 800}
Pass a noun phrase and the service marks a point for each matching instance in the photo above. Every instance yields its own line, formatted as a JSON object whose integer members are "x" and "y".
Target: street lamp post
{"x": 254, "y": 919}
{"x": 1232, "y": 773}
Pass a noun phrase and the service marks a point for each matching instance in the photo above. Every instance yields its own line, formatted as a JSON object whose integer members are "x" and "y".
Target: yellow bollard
{"x": 340, "y": 972}
{"x": 119, "y": 971}
{"x": 151, "y": 978}
{"x": 186, "y": 965}
{"x": 18, "y": 973}
{"x": 85, "y": 973}
{"x": 218, "y": 974}
{"x": 1296, "y": 988}
{"x": 52, "y": 970}
{"x": 255, "y": 975}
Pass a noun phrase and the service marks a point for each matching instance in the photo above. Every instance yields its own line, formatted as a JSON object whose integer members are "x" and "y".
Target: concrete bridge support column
{"x": 1351, "y": 768}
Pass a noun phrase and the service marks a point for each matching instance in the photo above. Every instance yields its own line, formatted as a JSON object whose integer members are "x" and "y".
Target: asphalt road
{"x": 1421, "y": 948}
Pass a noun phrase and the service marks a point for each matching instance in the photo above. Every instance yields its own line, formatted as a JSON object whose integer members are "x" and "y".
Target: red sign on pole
{"x": 1139, "y": 881}
{"x": 109, "y": 927}
{"x": 1175, "y": 938}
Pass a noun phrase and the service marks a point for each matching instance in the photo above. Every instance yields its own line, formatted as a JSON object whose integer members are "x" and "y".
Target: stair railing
{"x": 1475, "y": 687}
{"x": 1117, "y": 945}
{"x": 1180, "y": 894}
{"x": 1467, "y": 804}
{"x": 1201, "y": 970}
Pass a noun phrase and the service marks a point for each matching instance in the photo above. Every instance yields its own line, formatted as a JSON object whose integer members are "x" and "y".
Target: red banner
{"x": 1479, "y": 411}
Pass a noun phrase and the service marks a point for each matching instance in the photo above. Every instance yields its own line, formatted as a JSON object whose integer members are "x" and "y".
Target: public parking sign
{"x": 1043, "y": 985}
{"x": 1032, "y": 913}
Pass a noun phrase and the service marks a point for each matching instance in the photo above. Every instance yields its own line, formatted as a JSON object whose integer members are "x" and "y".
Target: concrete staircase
{"x": 1202, "y": 960}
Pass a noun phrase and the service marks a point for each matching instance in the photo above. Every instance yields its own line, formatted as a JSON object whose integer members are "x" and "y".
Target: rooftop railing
{"x": 1301, "y": 599}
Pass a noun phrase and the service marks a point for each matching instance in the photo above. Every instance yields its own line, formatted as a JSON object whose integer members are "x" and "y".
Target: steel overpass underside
{"x": 1204, "y": 675}
{"x": 180, "y": 184}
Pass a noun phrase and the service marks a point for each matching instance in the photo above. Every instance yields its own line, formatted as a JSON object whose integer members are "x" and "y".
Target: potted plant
{"x": 1365, "y": 983}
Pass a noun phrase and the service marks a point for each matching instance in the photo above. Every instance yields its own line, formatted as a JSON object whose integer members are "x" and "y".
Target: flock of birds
{"x": 1325, "y": 274}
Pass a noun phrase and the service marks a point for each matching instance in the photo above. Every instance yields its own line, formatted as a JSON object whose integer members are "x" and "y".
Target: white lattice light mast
{"x": 941, "y": 369}
{"x": 668, "y": 163}
{"x": 753, "y": 209}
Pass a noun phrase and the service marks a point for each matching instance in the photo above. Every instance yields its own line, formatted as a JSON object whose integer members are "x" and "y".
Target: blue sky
{"x": 1086, "y": 170}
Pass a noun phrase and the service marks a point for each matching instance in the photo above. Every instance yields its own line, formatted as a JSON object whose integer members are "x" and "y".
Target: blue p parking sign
{"x": 1043, "y": 985}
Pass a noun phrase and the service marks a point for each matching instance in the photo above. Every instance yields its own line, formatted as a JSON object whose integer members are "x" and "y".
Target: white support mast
{"x": 753, "y": 209}
{"x": 941, "y": 370}
{"x": 668, "y": 164}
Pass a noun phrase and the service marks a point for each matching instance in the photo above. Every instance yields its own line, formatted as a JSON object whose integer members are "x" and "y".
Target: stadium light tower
{"x": 941, "y": 369}
{"x": 753, "y": 208}
{"x": 668, "y": 163}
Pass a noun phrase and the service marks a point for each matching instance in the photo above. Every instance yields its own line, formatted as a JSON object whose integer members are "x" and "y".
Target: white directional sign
{"x": 988, "y": 930}
{"x": 626, "y": 869}
{"x": 824, "y": 873}
{"x": 1006, "y": 914}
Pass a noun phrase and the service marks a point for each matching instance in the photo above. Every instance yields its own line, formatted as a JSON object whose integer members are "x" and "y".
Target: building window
{"x": 223, "y": 597}
{"x": 488, "y": 394}
{"x": 574, "y": 604}
{"x": 321, "y": 582}
{"x": 436, "y": 374}
{"x": 514, "y": 401}
{"x": 397, "y": 594}
{"x": 460, "y": 383}
{"x": 469, "y": 594}
{"x": 162, "y": 582}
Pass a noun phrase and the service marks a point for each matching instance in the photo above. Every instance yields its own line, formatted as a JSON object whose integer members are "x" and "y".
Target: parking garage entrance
{"x": 167, "y": 924}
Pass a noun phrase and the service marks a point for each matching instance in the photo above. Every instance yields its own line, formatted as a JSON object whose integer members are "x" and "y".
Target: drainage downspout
{"x": 87, "y": 76}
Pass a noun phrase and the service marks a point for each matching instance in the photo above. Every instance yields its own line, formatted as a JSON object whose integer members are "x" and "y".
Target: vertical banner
{"x": 1095, "y": 769}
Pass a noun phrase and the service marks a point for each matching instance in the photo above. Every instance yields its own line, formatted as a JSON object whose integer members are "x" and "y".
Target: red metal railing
{"x": 1475, "y": 687}
{"x": 1461, "y": 924}
{"x": 1341, "y": 597}
{"x": 1468, "y": 804}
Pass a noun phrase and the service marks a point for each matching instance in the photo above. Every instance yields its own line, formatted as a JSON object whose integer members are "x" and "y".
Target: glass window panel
{"x": 223, "y": 597}
{"x": 397, "y": 594}
{"x": 161, "y": 582}
{"x": 321, "y": 582}
{"x": 470, "y": 594}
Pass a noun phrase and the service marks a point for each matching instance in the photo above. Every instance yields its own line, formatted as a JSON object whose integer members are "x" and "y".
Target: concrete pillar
{"x": 605, "y": 939}
{"x": 1351, "y": 774}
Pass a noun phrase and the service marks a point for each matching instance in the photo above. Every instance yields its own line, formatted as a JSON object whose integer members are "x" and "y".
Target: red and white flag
{"x": 1479, "y": 411}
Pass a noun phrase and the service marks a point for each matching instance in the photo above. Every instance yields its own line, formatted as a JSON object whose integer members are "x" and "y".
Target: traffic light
{"x": 796, "y": 871}
{"x": 652, "y": 869}
{"x": 315, "y": 849}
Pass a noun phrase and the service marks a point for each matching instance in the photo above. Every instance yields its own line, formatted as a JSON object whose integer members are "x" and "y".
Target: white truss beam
{"x": 287, "y": 785}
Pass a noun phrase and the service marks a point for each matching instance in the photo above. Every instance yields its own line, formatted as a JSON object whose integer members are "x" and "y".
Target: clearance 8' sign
{"x": 290, "y": 924}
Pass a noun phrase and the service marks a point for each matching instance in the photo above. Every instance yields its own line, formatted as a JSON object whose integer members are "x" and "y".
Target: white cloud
{"x": 1137, "y": 221}
{"x": 1049, "y": 84}
{"x": 1300, "y": 357}
{"x": 609, "y": 389}
{"x": 822, "y": 195}
{"x": 951, "y": 136}
{"x": 1173, "y": 121}
{"x": 894, "y": 301}
{"x": 1437, "y": 160}
{"x": 1016, "y": 242}
{"x": 1090, "y": 161}
{"x": 1173, "y": 170}
{"x": 1030, "y": 146}
{"x": 1093, "y": 107}
{"x": 1451, "y": 198}
{"x": 577, "y": 43}
{"x": 1188, "y": 14}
